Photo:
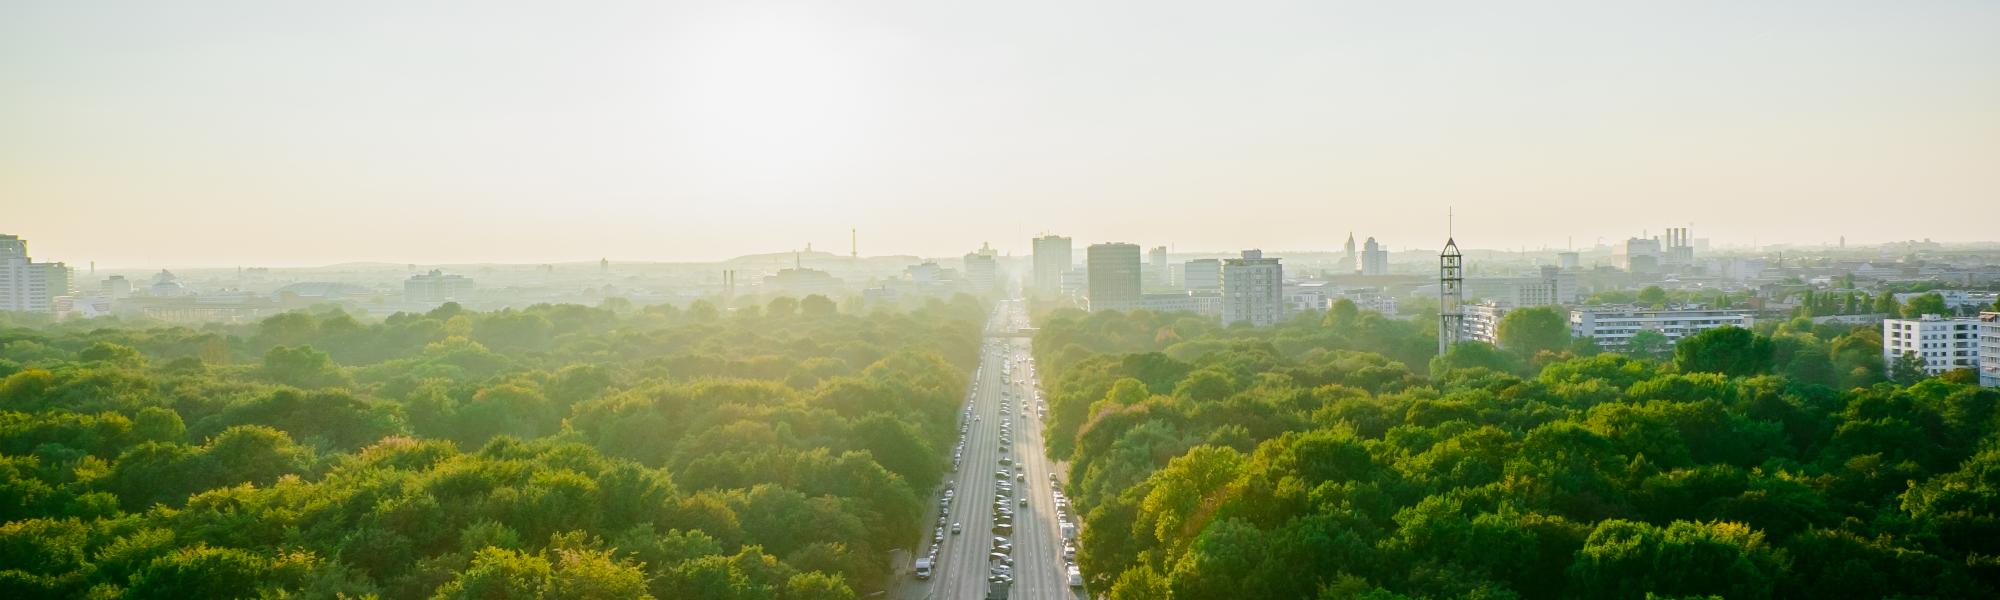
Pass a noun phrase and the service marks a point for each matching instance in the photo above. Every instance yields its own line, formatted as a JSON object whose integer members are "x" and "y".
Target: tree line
{"x": 1330, "y": 457}
{"x": 553, "y": 451}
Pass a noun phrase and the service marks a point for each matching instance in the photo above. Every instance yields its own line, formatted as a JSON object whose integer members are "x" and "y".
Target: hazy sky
{"x": 291, "y": 133}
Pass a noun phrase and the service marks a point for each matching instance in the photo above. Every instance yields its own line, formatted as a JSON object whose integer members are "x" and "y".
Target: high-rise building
{"x": 1113, "y": 269}
{"x": 1374, "y": 258}
{"x": 1943, "y": 343}
{"x": 26, "y": 285}
{"x": 1052, "y": 259}
{"x": 982, "y": 272}
{"x": 1156, "y": 260}
{"x": 1253, "y": 290}
{"x": 1202, "y": 275}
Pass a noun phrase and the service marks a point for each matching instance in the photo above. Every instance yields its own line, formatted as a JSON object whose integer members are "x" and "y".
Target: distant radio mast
{"x": 853, "y": 243}
{"x": 1451, "y": 291}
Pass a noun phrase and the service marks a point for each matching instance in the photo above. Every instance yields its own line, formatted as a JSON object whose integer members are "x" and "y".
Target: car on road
{"x": 954, "y": 529}
{"x": 1024, "y": 501}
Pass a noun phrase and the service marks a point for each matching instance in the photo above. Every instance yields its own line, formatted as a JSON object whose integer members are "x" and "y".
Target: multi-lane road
{"x": 1003, "y": 419}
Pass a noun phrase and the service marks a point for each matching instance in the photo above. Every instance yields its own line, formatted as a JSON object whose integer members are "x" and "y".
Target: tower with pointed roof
{"x": 1451, "y": 295}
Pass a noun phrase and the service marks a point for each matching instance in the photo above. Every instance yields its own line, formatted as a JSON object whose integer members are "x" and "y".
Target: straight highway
{"x": 1002, "y": 426}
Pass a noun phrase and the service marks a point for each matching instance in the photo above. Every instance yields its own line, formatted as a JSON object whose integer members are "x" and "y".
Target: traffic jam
{"x": 1010, "y": 479}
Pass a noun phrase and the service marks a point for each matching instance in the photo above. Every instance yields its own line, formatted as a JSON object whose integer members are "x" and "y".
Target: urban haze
{"x": 1034, "y": 300}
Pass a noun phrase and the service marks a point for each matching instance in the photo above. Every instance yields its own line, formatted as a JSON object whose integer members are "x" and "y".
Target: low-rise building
{"x": 1548, "y": 286}
{"x": 437, "y": 286}
{"x": 1304, "y": 296}
{"x": 1612, "y": 327}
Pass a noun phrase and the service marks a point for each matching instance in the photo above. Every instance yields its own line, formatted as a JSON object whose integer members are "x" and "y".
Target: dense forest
{"x": 1334, "y": 457}
{"x": 770, "y": 452}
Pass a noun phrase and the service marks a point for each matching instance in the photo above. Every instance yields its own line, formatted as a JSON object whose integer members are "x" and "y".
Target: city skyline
{"x": 403, "y": 132}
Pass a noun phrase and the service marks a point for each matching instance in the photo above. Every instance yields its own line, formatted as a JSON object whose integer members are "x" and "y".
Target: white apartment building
{"x": 1944, "y": 344}
{"x": 1989, "y": 349}
{"x": 1612, "y": 327}
{"x": 1482, "y": 322}
{"x": 1253, "y": 290}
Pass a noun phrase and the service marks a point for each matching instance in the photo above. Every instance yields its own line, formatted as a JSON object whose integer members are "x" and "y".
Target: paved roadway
{"x": 964, "y": 564}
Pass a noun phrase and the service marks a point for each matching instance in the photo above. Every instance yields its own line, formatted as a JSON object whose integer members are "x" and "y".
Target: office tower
{"x": 26, "y": 285}
{"x": 1202, "y": 275}
{"x": 982, "y": 272}
{"x": 1114, "y": 276}
{"x": 1374, "y": 258}
{"x": 1052, "y": 259}
{"x": 1156, "y": 259}
{"x": 1253, "y": 290}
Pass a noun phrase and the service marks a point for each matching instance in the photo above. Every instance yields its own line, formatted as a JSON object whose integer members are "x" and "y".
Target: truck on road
{"x": 924, "y": 568}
